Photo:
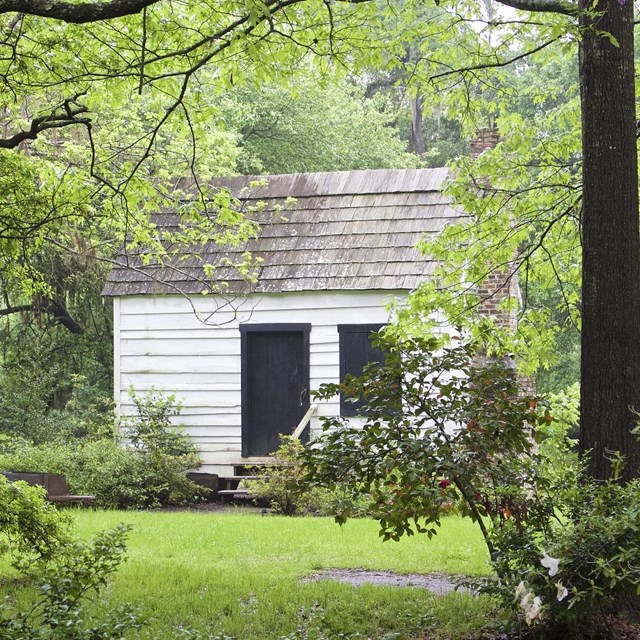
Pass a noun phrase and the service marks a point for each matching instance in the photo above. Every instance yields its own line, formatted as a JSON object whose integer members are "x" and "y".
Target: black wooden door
{"x": 275, "y": 384}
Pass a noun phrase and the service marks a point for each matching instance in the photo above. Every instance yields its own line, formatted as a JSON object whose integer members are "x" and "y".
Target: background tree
{"x": 313, "y": 125}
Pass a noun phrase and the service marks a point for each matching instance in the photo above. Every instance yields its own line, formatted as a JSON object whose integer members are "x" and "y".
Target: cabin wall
{"x": 191, "y": 348}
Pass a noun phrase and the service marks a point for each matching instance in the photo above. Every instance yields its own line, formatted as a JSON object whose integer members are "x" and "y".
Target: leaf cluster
{"x": 28, "y": 524}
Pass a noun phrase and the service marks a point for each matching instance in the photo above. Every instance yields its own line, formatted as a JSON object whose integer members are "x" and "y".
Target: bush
{"x": 28, "y": 524}
{"x": 283, "y": 486}
{"x": 125, "y": 478}
{"x": 447, "y": 431}
{"x": 17, "y": 454}
{"x": 148, "y": 472}
{"x": 152, "y": 429}
{"x": 281, "y": 482}
{"x": 64, "y": 583}
{"x": 64, "y": 571}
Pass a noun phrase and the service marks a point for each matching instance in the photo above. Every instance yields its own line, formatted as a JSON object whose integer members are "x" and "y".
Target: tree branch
{"x": 566, "y": 8}
{"x": 59, "y": 312}
{"x": 81, "y": 13}
{"x": 69, "y": 116}
{"x": 73, "y": 12}
{"x": 19, "y": 309}
{"x": 494, "y": 65}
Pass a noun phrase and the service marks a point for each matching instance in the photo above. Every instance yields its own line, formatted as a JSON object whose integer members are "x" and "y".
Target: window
{"x": 356, "y": 351}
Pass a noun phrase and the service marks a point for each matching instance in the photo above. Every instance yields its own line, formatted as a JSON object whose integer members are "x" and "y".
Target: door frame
{"x": 301, "y": 327}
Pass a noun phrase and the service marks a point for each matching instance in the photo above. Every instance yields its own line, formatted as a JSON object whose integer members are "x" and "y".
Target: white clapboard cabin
{"x": 244, "y": 364}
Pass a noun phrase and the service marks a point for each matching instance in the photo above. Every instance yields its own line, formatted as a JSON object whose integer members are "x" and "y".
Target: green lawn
{"x": 239, "y": 573}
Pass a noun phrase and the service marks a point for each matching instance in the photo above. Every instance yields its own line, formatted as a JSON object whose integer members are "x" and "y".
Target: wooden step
{"x": 230, "y": 483}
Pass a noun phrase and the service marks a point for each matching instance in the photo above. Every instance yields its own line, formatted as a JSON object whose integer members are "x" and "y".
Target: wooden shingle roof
{"x": 348, "y": 230}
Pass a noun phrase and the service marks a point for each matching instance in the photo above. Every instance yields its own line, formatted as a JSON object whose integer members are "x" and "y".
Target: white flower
{"x": 530, "y": 604}
{"x": 550, "y": 563}
{"x": 562, "y": 591}
{"x": 533, "y": 611}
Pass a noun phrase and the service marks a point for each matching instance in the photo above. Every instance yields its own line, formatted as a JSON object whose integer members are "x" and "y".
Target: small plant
{"x": 64, "y": 584}
{"x": 28, "y": 524}
{"x": 162, "y": 450}
{"x": 152, "y": 428}
{"x": 281, "y": 483}
{"x": 64, "y": 572}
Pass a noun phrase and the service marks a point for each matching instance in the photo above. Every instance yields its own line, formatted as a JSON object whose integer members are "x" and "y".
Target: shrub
{"x": 64, "y": 572}
{"x": 148, "y": 472}
{"x": 28, "y": 524}
{"x": 64, "y": 583}
{"x": 162, "y": 449}
{"x": 445, "y": 430}
{"x": 282, "y": 486}
{"x": 125, "y": 478}
{"x": 17, "y": 454}
{"x": 281, "y": 482}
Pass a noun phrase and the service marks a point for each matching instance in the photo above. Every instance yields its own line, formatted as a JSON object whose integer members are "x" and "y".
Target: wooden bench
{"x": 55, "y": 486}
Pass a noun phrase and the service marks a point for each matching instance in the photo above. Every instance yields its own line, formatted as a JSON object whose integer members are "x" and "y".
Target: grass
{"x": 239, "y": 574}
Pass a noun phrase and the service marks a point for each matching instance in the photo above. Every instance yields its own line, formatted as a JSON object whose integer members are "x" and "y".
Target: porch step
{"x": 232, "y": 483}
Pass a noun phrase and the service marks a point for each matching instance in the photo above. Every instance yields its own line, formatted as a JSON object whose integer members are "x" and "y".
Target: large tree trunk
{"x": 610, "y": 367}
{"x": 417, "y": 136}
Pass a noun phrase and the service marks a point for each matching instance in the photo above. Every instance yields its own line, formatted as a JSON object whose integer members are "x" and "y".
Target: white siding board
{"x": 170, "y": 333}
{"x": 170, "y": 364}
{"x": 186, "y": 388}
{"x": 300, "y": 300}
{"x": 326, "y": 373}
{"x": 178, "y": 346}
{"x": 217, "y": 415}
{"x": 223, "y": 433}
{"x": 322, "y": 358}
{"x": 173, "y": 382}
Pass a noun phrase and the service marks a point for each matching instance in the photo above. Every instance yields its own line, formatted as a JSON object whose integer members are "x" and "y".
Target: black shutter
{"x": 356, "y": 351}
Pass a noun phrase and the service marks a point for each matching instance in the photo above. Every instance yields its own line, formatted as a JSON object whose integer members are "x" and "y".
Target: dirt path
{"x": 436, "y": 582}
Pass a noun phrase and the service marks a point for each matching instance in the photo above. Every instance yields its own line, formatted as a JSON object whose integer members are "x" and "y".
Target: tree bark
{"x": 610, "y": 364}
{"x": 417, "y": 135}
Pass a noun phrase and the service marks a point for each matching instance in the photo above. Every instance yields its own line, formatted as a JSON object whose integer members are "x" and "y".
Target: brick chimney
{"x": 486, "y": 138}
{"x": 500, "y": 285}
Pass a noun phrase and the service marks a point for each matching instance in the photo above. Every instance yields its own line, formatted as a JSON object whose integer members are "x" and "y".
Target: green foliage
{"x": 64, "y": 585}
{"x": 313, "y": 125}
{"x": 448, "y": 430}
{"x": 580, "y": 565}
{"x": 131, "y": 479}
{"x": 64, "y": 572}
{"x": 28, "y": 524}
{"x": 152, "y": 429}
{"x": 51, "y": 457}
{"x": 147, "y": 472}
{"x": 281, "y": 482}
{"x": 119, "y": 477}
{"x": 28, "y": 416}
{"x": 437, "y": 422}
